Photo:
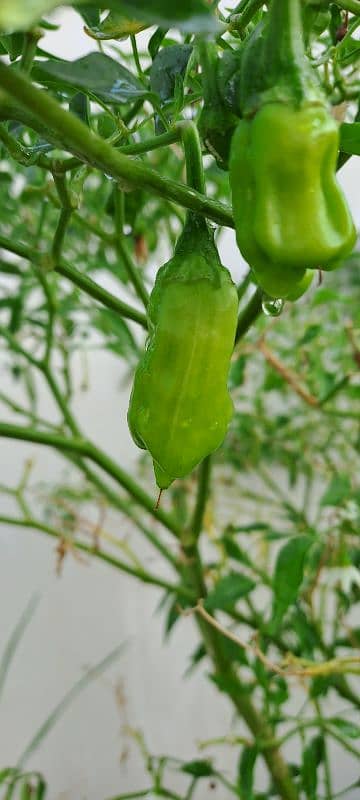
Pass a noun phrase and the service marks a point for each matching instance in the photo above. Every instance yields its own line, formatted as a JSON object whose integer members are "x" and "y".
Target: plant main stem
{"x": 213, "y": 643}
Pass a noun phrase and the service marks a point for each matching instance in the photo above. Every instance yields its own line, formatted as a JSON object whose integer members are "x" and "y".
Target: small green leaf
{"x": 324, "y": 295}
{"x": 350, "y": 138}
{"x": 228, "y": 591}
{"x": 234, "y": 551}
{"x": 14, "y": 640}
{"x": 115, "y": 26}
{"x": 312, "y": 757}
{"x": 348, "y": 729}
{"x": 253, "y": 527}
{"x": 169, "y": 64}
{"x": 96, "y": 74}
{"x": 6, "y": 773}
{"x": 90, "y": 15}
{"x": 13, "y": 44}
{"x": 311, "y": 333}
{"x": 320, "y": 686}
{"x": 116, "y": 331}
{"x": 338, "y": 490}
{"x": 172, "y": 617}
{"x": 348, "y": 51}
{"x": 237, "y": 372}
{"x": 233, "y": 652}
{"x": 156, "y": 41}
{"x": 79, "y": 105}
{"x": 288, "y": 574}
{"x": 193, "y": 16}
{"x": 195, "y": 658}
{"x": 246, "y": 772}
{"x": 199, "y": 769}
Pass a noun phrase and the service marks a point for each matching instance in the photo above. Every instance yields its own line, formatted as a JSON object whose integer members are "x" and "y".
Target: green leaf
{"x": 253, "y": 527}
{"x": 288, "y": 574}
{"x": 246, "y": 772}
{"x": 115, "y": 26}
{"x": 79, "y": 105}
{"x": 228, "y": 591}
{"x": 190, "y": 15}
{"x": 338, "y": 490}
{"x": 320, "y": 686}
{"x": 169, "y": 64}
{"x": 6, "y": 773}
{"x": 324, "y": 295}
{"x": 237, "y": 372}
{"x": 72, "y": 694}
{"x": 116, "y": 331}
{"x": 13, "y": 44}
{"x": 348, "y": 729}
{"x": 172, "y": 617}
{"x": 311, "y": 333}
{"x": 233, "y": 651}
{"x": 18, "y": 15}
{"x": 348, "y": 51}
{"x": 40, "y": 789}
{"x": 199, "y": 769}
{"x": 156, "y": 41}
{"x": 96, "y": 74}
{"x": 312, "y": 757}
{"x": 90, "y": 15}
{"x": 234, "y": 551}
{"x": 195, "y": 659}
{"x": 350, "y": 138}
{"x": 14, "y": 640}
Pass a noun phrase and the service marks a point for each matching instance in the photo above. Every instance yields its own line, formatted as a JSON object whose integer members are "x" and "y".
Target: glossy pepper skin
{"x": 290, "y": 213}
{"x": 289, "y": 210}
{"x": 180, "y": 406}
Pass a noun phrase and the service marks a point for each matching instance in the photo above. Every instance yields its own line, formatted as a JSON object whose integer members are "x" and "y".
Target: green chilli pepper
{"x": 290, "y": 212}
{"x": 180, "y": 406}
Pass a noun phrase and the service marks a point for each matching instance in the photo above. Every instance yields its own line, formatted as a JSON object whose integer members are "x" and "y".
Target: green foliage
{"x": 269, "y": 539}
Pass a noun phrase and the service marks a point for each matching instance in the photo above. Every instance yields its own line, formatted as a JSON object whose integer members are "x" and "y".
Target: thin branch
{"x": 84, "y": 448}
{"x": 79, "y": 279}
{"x": 142, "y": 574}
{"x": 287, "y": 374}
{"x": 123, "y": 252}
{"x": 306, "y": 668}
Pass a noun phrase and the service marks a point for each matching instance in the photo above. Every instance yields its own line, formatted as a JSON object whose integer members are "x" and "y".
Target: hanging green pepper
{"x": 180, "y": 407}
{"x": 290, "y": 212}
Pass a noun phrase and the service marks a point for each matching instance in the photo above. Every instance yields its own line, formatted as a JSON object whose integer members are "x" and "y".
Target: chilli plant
{"x": 177, "y": 124}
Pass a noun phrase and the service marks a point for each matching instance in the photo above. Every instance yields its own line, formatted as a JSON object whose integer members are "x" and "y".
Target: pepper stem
{"x": 193, "y": 156}
{"x": 285, "y": 61}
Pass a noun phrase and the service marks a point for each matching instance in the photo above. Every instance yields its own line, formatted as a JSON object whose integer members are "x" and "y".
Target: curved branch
{"x": 91, "y": 149}
{"x": 142, "y": 575}
{"x": 79, "y": 279}
{"x": 86, "y": 449}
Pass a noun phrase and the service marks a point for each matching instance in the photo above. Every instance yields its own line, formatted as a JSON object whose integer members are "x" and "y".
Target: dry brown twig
{"x": 287, "y": 374}
{"x": 291, "y": 666}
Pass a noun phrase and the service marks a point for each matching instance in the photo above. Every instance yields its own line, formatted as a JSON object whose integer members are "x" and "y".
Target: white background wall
{"x": 91, "y": 609}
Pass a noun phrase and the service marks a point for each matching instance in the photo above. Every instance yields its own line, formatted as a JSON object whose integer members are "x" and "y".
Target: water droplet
{"x": 272, "y": 307}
